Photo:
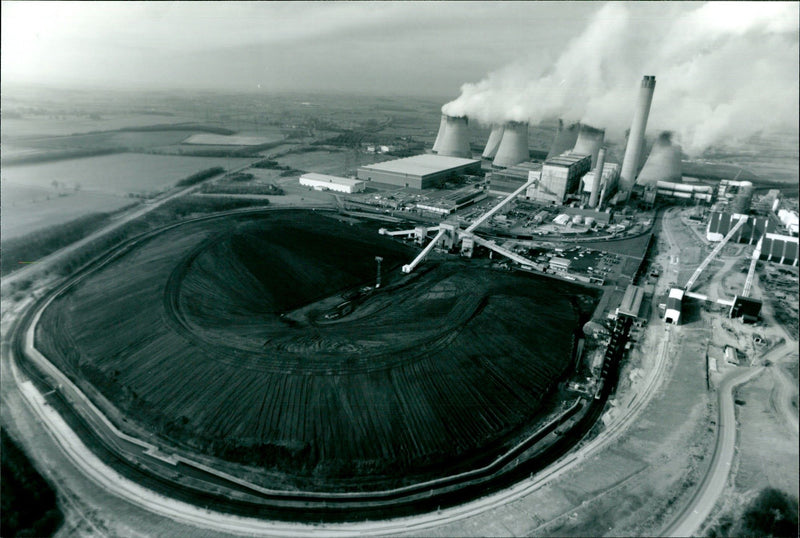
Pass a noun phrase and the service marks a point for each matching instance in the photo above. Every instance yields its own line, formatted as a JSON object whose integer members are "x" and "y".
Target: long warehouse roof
{"x": 331, "y": 179}
{"x": 421, "y": 165}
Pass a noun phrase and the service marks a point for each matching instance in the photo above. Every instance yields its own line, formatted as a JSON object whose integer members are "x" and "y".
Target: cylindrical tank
{"x": 513, "y": 147}
{"x": 633, "y": 151}
{"x": 440, "y": 135}
{"x": 588, "y": 220}
{"x": 455, "y": 142}
{"x": 577, "y": 219}
{"x": 741, "y": 202}
{"x": 589, "y": 141}
{"x": 598, "y": 176}
{"x": 493, "y": 143}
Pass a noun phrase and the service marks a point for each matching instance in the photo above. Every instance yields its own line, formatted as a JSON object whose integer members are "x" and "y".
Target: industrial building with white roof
{"x": 419, "y": 171}
{"x": 331, "y": 183}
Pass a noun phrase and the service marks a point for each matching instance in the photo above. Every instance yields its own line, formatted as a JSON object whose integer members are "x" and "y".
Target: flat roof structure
{"x": 780, "y": 248}
{"x": 674, "y": 306}
{"x": 631, "y": 304}
{"x": 719, "y": 224}
{"x": 566, "y": 159}
{"x": 419, "y": 171}
{"x": 334, "y": 183}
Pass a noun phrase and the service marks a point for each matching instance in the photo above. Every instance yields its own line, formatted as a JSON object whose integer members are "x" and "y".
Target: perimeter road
{"x": 689, "y": 520}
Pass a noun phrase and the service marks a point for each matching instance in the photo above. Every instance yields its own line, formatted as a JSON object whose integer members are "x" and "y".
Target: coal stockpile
{"x": 254, "y": 340}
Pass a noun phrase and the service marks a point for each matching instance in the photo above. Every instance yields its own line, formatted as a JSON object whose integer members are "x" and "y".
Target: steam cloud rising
{"x": 723, "y": 71}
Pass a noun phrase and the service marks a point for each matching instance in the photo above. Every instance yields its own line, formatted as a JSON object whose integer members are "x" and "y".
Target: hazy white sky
{"x": 381, "y": 47}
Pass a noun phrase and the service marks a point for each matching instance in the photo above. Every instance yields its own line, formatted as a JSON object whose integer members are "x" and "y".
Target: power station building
{"x": 510, "y": 179}
{"x": 561, "y": 176}
{"x": 779, "y": 249}
{"x": 419, "y": 171}
{"x": 719, "y": 224}
{"x": 322, "y": 182}
{"x": 606, "y": 186}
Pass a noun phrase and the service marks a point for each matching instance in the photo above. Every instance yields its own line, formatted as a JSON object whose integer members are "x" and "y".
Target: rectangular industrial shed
{"x": 331, "y": 183}
{"x": 419, "y": 171}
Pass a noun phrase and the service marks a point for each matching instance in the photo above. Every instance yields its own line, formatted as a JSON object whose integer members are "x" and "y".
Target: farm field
{"x": 29, "y": 209}
{"x": 115, "y": 174}
{"x": 324, "y": 162}
{"x": 233, "y": 140}
{"x": 233, "y": 354}
{"x": 65, "y": 124}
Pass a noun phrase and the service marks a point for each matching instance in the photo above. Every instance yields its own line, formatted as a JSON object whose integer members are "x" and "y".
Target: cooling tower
{"x": 741, "y": 202}
{"x": 440, "y": 134}
{"x": 494, "y": 142}
{"x": 598, "y": 175}
{"x": 455, "y": 140}
{"x": 663, "y": 164}
{"x": 565, "y": 139}
{"x": 633, "y": 151}
{"x": 589, "y": 142}
{"x": 513, "y": 147}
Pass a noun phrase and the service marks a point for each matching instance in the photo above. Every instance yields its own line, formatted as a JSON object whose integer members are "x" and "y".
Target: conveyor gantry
{"x": 713, "y": 254}
{"x": 421, "y": 256}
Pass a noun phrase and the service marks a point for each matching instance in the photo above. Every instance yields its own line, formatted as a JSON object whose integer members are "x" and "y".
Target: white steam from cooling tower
{"x": 725, "y": 70}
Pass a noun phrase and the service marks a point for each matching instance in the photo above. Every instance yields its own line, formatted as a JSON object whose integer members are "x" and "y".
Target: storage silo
{"x": 513, "y": 147}
{"x": 455, "y": 140}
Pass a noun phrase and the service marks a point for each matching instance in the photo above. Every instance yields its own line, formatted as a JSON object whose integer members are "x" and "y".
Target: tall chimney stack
{"x": 598, "y": 176}
{"x": 633, "y": 151}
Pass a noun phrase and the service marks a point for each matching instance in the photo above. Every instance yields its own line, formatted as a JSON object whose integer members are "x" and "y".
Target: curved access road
{"x": 689, "y": 520}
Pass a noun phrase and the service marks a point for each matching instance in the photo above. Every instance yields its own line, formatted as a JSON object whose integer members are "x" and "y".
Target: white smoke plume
{"x": 723, "y": 71}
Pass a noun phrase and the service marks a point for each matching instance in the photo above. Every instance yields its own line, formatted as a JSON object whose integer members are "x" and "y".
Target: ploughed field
{"x": 224, "y": 336}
